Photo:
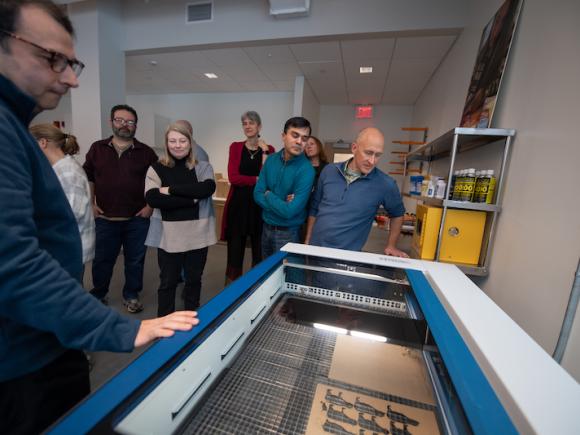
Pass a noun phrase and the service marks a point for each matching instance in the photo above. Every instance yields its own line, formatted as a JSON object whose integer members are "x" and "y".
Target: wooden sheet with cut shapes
{"x": 423, "y": 421}
{"x": 388, "y": 368}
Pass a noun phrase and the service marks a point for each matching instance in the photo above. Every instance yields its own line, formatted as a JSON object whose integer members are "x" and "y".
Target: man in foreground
{"x": 45, "y": 314}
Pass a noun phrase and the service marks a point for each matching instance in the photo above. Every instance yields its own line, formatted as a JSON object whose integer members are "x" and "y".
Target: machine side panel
{"x": 485, "y": 412}
{"x": 103, "y": 401}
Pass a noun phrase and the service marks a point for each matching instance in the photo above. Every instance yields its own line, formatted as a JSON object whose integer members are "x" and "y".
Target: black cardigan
{"x": 184, "y": 189}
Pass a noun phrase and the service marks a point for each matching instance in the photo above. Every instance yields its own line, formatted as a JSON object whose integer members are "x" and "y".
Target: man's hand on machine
{"x": 165, "y": 326}
{"x": 389, "y": 250}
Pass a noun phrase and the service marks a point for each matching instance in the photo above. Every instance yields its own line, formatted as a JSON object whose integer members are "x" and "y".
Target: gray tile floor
{"x": 107, "y": 364}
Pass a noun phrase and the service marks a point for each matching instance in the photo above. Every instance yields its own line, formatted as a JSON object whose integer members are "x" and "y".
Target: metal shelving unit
{"x": 448, "y": 145}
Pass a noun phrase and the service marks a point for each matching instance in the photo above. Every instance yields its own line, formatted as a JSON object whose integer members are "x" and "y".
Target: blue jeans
{"x": 273, "y": 238}
{"x": 110, "y": 236}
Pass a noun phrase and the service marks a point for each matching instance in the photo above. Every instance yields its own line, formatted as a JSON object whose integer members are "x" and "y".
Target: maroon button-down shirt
{"x": 119, "y": 180}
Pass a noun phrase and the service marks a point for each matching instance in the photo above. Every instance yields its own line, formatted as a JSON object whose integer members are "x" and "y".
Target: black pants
{"x": 171, "y": 265}
{"x": 236, "y": 251}
{"x": 31, "y": 403}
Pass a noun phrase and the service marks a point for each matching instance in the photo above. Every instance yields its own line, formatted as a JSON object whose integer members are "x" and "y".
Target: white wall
{"x": 249, "y": 20}
{"x": 86, "y": 99}
{"x": 538, "y": 239}
{"x": 338, "y": 122}
{"x": 215, "y": 118}
{"x": 62, "y": 112}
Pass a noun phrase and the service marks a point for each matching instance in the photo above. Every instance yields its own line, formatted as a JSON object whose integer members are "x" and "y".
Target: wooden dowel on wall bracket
{"x": 409, "y": 142}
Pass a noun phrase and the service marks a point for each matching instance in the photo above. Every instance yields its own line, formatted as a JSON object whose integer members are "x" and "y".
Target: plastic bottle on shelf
{"x": 480, "y": 185}
{"x": 440, "y": 190}
{"x": 485, "y": 188}
{"x": 468, "y": 185}
{"x": 453, "y": 180}
{"x": 458, "y": 187}
{"x": 491, "y": 188}
{"x": 432, "y": 186}
{"x": 416, "y": 181}
{"x": 424, "y": 187}
{"x": 478, "y": 175}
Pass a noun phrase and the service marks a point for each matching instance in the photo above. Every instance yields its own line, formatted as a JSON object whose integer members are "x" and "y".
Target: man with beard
{"x": 116, "y": 169}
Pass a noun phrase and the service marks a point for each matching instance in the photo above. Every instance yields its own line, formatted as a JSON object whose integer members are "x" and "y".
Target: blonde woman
{"x": 181, "y": 188}
{"x": 59, "y": 147}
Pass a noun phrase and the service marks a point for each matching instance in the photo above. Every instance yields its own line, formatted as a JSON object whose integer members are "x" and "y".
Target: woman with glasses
{"x": 242, "y": 217}
{"x": 59, "y": 147}
{"x": 181, "y": 188}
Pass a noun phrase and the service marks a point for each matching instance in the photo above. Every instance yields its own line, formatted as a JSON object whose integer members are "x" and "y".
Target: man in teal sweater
{"x": 284, "y": 187}
{"x": 45, "y": 315}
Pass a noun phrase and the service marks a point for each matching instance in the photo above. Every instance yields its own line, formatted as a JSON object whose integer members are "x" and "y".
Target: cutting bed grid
{"x": 270, "y": 386}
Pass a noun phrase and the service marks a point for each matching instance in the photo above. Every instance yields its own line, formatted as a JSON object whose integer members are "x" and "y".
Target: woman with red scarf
{"x": 242, "y": 217}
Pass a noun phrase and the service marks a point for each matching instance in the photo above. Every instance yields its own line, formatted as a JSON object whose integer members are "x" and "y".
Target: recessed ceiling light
{"x": 211, "y": 75}
{"x": 366, "y": 69}
{"x": 153, "y": 62}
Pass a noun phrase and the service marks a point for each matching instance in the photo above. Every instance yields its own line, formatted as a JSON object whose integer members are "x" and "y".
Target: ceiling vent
{"x": 289, "y": 8}
{"x": 197, "y": 12}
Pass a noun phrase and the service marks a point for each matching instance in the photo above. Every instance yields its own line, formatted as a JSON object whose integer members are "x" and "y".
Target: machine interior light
{"x": 330, "y": 328}
{"x": 211, "y": 75}
{"x": 368, "y": 336}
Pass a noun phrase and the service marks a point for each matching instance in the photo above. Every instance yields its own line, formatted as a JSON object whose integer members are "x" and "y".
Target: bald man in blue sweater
{"x": 349, "y": 195}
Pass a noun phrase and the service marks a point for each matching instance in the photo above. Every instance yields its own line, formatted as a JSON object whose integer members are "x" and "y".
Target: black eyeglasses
{"x": 57, "y": 61}
{"x": 122, "y": 121}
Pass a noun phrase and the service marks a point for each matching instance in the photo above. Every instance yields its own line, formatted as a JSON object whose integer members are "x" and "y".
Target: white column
{"x": 305, "y": 103}
{"x": 99, "y": 44}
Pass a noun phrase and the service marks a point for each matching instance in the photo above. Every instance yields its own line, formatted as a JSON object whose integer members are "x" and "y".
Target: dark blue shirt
{"x": 43, "y": 308}
{"x": 345, "y": 212}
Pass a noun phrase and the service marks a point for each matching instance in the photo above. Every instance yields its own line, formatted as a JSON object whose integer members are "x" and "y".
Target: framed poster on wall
{"x": 490, "y": 63}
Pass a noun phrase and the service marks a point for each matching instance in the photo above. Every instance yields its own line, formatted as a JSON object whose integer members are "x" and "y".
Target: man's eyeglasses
{"x": 121, "y": 121}
{"x": 57, "y": 61}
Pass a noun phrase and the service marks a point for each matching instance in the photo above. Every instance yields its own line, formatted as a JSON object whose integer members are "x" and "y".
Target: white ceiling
{"x": 401, "y": 68}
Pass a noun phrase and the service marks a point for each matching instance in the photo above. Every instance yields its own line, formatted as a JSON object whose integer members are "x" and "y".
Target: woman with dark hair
{"x": 242, "y": 216}
{"x": 181, "y": 188}
{"x": 59, "y": 147}
{"x": 315, "y": 153}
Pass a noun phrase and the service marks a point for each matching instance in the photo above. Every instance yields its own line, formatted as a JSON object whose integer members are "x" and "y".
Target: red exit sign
{"x": 363, "y": 112}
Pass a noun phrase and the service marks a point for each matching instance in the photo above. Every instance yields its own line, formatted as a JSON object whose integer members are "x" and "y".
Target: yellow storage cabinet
{"x": 461, "y": 239}
{"x": 462, "y": 236}
{"x": 426, "y": 231}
